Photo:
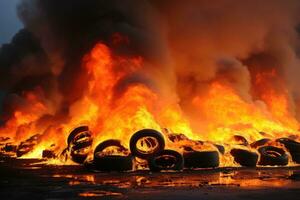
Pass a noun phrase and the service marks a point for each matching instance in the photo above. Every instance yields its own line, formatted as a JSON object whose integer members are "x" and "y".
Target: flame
{"x": 228, "y": 114}
{"x": 115, "y": 109}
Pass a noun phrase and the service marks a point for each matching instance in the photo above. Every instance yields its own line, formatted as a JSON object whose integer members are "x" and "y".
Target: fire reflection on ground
{"x": 240, "y": 178}
{"x": 77, "y": 182}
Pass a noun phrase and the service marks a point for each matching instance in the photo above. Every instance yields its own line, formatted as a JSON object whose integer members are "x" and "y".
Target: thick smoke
{"x": 58, "y": 34}
{"x": 186, "y": 46}
{"x": 218, "y": 40}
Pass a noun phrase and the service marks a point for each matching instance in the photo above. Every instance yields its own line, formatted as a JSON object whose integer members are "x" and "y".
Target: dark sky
{"x": 9, "y": 22}
{"x": 9, "y": 25}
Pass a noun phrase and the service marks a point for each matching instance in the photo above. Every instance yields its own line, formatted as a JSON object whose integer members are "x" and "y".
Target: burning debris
{"x": 192, "y": 99}
{"x": 147, "y": 150}
{"x": 116, "y": 159}
{"x": 27, "y": 146}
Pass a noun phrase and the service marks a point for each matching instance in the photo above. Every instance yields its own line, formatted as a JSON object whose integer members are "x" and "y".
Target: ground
{"x": 29, "y": 179}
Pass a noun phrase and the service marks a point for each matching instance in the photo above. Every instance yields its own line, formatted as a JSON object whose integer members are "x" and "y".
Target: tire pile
{"x": 149, "y": 146}
{"x": 266, "y": 152}
{"x": 147, "y": 149}
{"x": 22, "y": 149}
{"x": 79, "y": 145}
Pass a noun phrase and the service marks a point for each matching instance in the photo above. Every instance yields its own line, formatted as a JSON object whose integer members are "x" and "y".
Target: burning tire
{"x": 105, "y": 162}
{"x": 146, "y": 143}
{"x": 244, "y": 158}
{"x": 272, "y": 156}
{"x": 78, "y": 157}
{"x": 166, "y": 160}
{"x": 240, "y": 140}
{"x": 293, "y": 147}
{"x": 260, "y": 143}
{"x": 220, "y": 148}
{"x": 114, "y": 163}
{"x": 109, "y": 143}
{"x": 204, "y": 159}
{"x": 10, "y": 148}
{"x": 89, "y": 164}
{"x": 79, "y": 144}
{"x": 75, "y": 132}
{"x": 48, "y": 154}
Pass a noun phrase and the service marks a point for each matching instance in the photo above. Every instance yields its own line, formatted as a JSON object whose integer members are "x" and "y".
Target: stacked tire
{"x": 293, "y": 147}
{"x": 149, "y": 144}
{"x": 201, "y": 159}
{"x": 79, "y": 144}
{"x": 273, "y": 156}
{"x": 110, "y": 162}
{"x": 244, "y": 157}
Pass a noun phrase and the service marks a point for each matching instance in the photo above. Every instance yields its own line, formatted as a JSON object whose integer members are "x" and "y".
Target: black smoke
{"x": 48, "y": 52}
{"x": 189, "y": 43}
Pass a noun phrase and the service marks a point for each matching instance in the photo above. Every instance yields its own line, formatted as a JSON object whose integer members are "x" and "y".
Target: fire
{"x": 114, "y": 107}
{"x": 104, "y": 109}
{"x": 228, "y": 114}
{"x": 136, "y": 107}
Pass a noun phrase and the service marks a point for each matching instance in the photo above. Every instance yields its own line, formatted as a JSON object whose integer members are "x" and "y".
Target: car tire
{"x": 201, "y": 159}
{"x": 166, "y": 160}
{"x": 293, "y": 147}
{"x": 272, "y": 156}
{"x": 145, "y": 134}
{"x": 244, "y": 157}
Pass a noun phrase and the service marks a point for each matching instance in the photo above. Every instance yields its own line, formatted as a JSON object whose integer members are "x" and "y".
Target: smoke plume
{"x": 186, "y": 46}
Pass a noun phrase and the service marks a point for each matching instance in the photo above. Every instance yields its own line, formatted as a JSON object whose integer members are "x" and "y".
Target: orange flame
{"x": 115, "y": 109}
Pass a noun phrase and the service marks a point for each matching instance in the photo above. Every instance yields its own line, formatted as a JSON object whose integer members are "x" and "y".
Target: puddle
{"x": 245, "y": 178}
{"x": 100, "y": 193}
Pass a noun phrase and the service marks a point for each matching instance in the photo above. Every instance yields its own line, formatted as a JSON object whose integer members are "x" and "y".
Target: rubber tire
{"x": 220, "y": 148}
{"x": 75, "y": 132}
{"x": 259, "y": 143}
{"x": 267, "y": 159}
{"x": 296, "y": 157}
{"x": 82, "y": 145}
{"x": 243, "y": 141}
{"x": 89, "y": 164}
{"x": 75, "y": 145}
{"x": 106, "y": 144}
{"x": 113, "y": 163}
{"x": 146, "y": 133}
{"x": 78, "y": 158}
{"x": 293, "y": 147}
{"x": 244, "y": 158}
{"x": 203, "y": 159}
{"x": 81, "y": 135}
{"x": 153, "y": 166}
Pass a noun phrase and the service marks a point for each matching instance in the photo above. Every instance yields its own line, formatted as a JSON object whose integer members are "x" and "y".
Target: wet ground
{"x": 29, "y": 179}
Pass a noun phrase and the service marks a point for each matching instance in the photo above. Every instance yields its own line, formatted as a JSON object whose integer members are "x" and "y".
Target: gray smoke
{"x": 186, "y": 45}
